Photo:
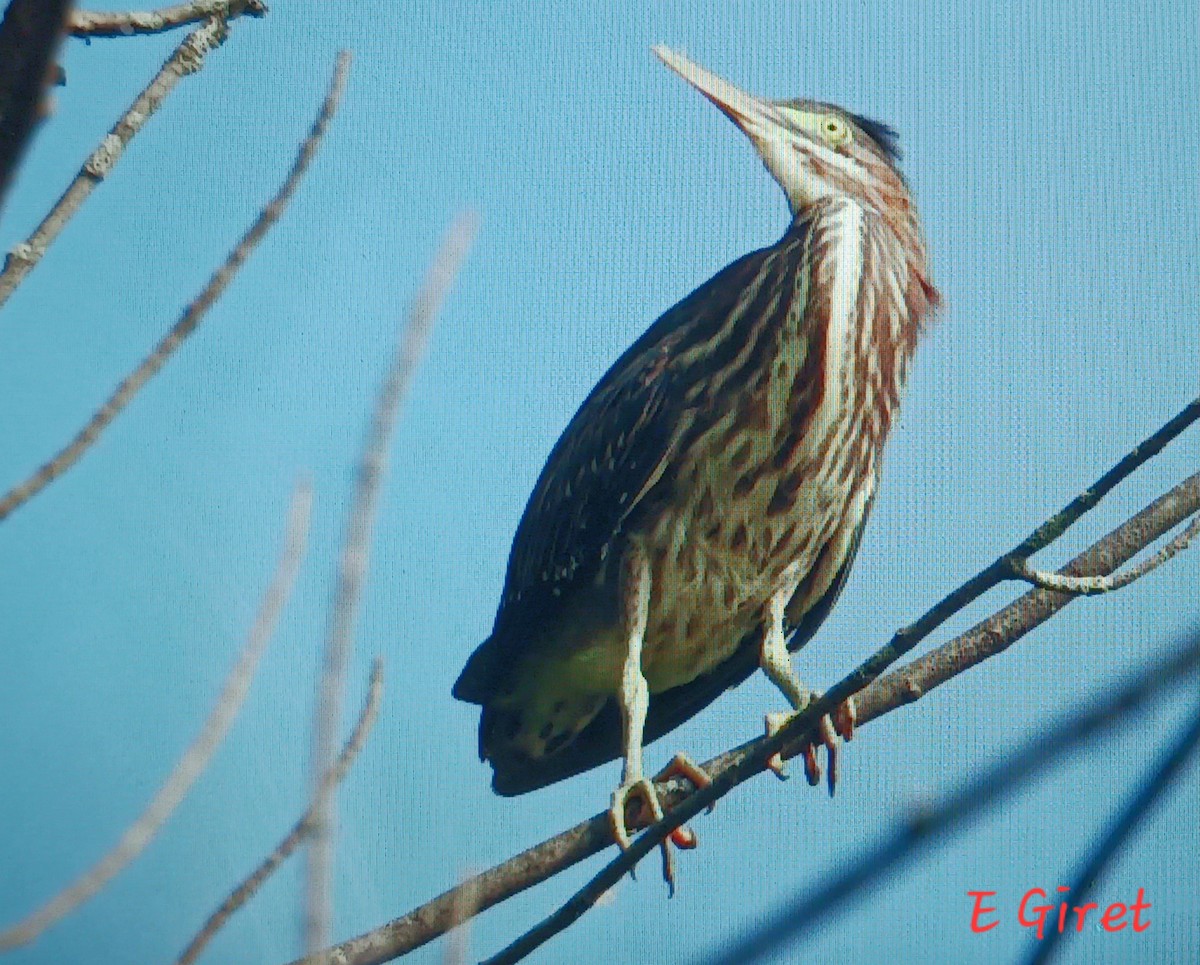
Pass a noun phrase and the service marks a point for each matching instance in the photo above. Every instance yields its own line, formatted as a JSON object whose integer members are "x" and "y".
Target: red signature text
{"x": 1036, "y": 911}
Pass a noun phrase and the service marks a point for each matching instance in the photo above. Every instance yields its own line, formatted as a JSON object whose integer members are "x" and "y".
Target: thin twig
{"x": 187, "y": 58}
{"x": 982, "y": 641}
{"x": 902, "y": 687}
{"x": 1132, "y": 814}
{"x": 29, "y": 37}
{"x": 801, "y": 914}
{"x": 195, "y": 759}
{"x": 300, "y": 830}
{"x": 192, "y": 315}
{"x": 1093, "y": 585}
{"x": 127, "y": 23}
{"x": 353, "y": 569}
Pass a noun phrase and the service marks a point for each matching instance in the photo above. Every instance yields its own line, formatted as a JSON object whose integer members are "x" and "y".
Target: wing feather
{"x": 612, "y": 453}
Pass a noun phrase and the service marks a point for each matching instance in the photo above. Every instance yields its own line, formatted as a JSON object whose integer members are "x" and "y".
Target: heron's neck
{"x": 896, "y": 209}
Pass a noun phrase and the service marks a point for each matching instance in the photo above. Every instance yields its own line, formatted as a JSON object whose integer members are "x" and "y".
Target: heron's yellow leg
{"x": 634, "y": 695}
{"x": 776, "y": 663}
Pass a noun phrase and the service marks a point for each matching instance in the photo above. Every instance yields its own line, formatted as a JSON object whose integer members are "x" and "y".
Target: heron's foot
{"x": 683, "y": 837}
{"x": 683, "y": 766}
{"x": 832, "y": 726}
{"x": 638, "y": 791}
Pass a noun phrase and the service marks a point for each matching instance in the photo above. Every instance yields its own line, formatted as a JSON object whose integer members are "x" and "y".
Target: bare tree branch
{"x": 300, "y": 830}
{"x": 1093, "y": 585}
{"x": 195, "y": 759}
{"x": 1130, "y": 817}
{"x": 904, "y": 686}
{"x": 29, "y": 36}
{"x": 187, "y": 59}
{"x": 127, "y": 23}
{"x": 986, "y": 639}
{"x": 353, "y": 570}
{"x": 799, "y": 915}
{"x": 192, "y": 315}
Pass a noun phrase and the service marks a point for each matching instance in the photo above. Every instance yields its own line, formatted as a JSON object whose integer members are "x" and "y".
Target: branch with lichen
{"x": 129, "y": 23}
{"x": 874, "y": 693}
{"x": 186, "y": 59}
{"x": 191, "y": 317}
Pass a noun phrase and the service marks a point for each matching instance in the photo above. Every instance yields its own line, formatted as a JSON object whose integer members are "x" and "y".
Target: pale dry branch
{"x": 353, "y": 570}
{"x": 540, "y": 862}
{"x": 1093, "y": 585}
{"x": 299, "y": 831}
{"x": 128, "y": 23}
{"x": 196, "y": 758}
{"x": 192, "y": 315}
{"x": 923, "y": 828}
{"x": 186, "y": 59}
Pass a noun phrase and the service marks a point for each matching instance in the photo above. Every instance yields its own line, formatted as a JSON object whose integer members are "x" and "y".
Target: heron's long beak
{"x": 753, "y": 115}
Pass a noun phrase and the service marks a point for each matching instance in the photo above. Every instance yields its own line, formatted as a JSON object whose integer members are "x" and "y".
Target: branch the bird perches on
{"x": 875, "y": 695}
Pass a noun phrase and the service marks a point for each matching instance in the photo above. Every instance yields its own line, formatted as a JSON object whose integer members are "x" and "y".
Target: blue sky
{"x": 1051, "y": 148}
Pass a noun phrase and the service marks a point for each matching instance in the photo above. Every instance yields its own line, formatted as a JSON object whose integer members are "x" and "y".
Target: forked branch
{"x": 881, "y": 695}
{"x": 300, "y": 831}
{"x": 191, "y": 317}
{"x": 186, "y": 59}
{"x": 198, "y": 755}
{"x": 910, "y": 683}
{"x": 128, "y": 23}
{"x": 1093, "y": 585}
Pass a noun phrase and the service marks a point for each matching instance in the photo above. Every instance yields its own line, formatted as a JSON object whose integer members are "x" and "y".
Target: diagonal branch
{"x": 353, "y": 569}
{"x": 986, "y": 639}
{"x": 187, "y": 58}
{"x": 803, "y": 913}
{"x": 128, "y": 23}
{"x": 904, "y": 686}
{"x": 300, "y": 831}
{"x": 191, "y": 317}
{"x": 1093, "y": 585}
{"x": 197, "y": 756}
{"x": 1132, "y": 814}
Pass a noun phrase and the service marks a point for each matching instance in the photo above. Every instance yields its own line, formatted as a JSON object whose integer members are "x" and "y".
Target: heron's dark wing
{"x": 608, "y": 458}
{"x": 600, "y": 741}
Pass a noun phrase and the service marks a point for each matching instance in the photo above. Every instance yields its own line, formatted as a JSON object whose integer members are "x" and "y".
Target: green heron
{"x": 699, "y": 514}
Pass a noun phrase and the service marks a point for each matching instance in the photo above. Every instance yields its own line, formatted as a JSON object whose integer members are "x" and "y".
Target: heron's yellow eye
{"x": 835, "y": 130}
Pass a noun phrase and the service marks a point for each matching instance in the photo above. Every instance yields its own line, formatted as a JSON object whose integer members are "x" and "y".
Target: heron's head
{"x": 815, "y": 151}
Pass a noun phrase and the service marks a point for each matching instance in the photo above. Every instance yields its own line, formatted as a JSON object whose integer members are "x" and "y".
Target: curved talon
{"x": 682, "y": 837}
{"x": 825, "y": 732}
{"x": 812, "y": 767}
{"x": 828, "y": 730}
{"x": 773, "y": 722}
{"x": 845, "y": 718}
